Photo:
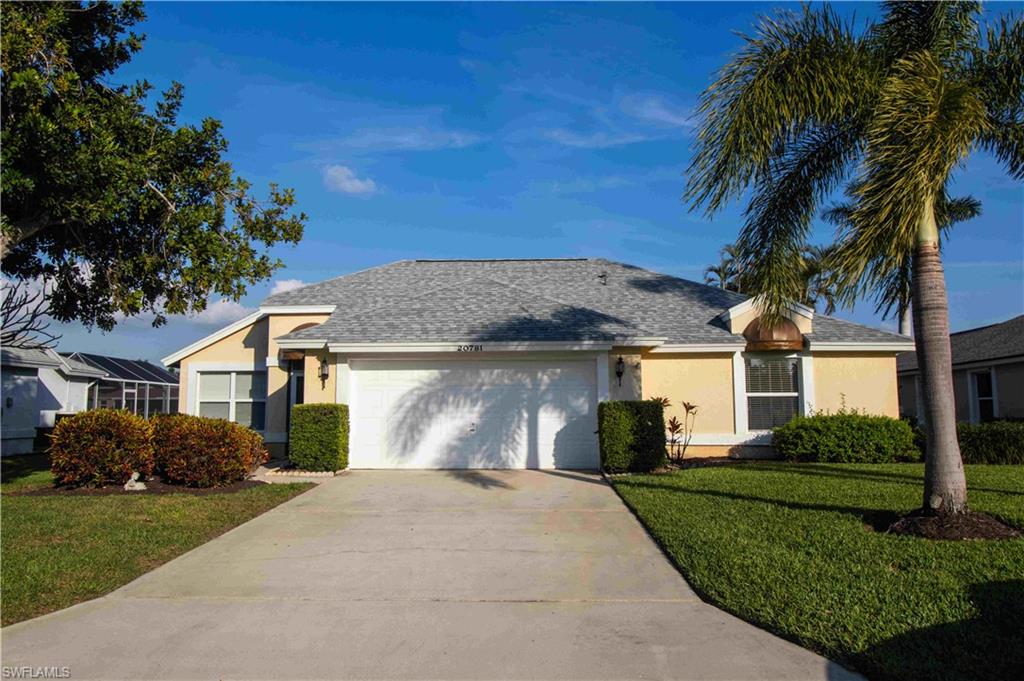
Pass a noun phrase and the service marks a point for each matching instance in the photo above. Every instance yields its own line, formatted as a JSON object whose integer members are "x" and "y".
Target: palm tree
{"x": 809, "y": 103}
{"x": 892, "y": 291}
{"x": 723, "y": 274}
{"x": 818, "y": 286}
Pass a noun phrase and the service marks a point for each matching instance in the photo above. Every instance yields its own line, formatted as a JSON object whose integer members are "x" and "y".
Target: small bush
{"x": 318, "y": 438}
{"x": 631, "y": 435}
{"x": 101, "y": 447}
{"x": 846, "y": 437}
{"x": 999, "y": 442}
{"x": 204, "y": 452}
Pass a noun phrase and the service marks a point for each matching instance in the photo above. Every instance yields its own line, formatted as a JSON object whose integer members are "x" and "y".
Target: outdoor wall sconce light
{"x": 324, "y": 371}
{"x": 620, "y": 368}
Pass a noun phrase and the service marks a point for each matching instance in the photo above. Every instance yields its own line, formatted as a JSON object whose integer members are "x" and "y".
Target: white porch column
{"x": 603, "y": 393}
{"x": 739, "y": 393}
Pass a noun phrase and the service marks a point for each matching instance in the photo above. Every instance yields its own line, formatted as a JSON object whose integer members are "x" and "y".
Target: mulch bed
{"x": 153, "y": 486}
{"x": 956, "y": 526}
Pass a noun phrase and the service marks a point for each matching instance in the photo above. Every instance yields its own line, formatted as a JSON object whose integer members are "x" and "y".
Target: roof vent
{"x": 603, "y": 278}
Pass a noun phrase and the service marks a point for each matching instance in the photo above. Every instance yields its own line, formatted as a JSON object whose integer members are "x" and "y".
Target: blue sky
{"x": 491, "y": 131}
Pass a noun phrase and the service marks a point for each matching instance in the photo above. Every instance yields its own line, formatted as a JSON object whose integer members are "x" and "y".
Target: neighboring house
{"x": 40, "y": 384}
{"x": 501, "y": 363}
{"x": 988, "y": 374}
{"x": 133, "y": 384}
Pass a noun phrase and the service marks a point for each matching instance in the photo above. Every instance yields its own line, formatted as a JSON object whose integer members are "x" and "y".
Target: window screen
{"x": 773, "y": 392}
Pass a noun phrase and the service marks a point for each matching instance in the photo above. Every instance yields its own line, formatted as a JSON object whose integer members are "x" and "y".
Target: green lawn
{"x": 60, "y": 550}
{"x": 786, "y": 546}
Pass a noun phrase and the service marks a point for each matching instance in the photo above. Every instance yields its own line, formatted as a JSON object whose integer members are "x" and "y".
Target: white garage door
{"x": 473, "y": 414}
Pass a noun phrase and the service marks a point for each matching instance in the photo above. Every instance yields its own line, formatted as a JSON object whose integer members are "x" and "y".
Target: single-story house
{"x": 501, "y": 363}
{"x": 39, "y": 385}
{"x": 988, "y": 374}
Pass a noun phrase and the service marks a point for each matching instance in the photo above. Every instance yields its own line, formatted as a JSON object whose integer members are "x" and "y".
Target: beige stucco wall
{"x": 632, "y": 376}
{"x": 253, "y": 345}
{"x": 247, "y": 345}
{"x": 316, "y": 390}
{"x": 704, "y": 380}
{"x": 739, "y": 323}
{"x": 277, "y": 376}
{"x": 863, "y": 381}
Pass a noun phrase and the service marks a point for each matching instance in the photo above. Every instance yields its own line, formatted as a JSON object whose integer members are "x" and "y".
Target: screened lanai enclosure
{"x": 136, "y": 385}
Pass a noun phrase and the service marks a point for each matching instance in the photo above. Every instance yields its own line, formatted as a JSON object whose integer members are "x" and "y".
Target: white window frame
{"x": 804, "y": 384}
{"x": 974, "y": 400}
{"x": 231, "y": 399}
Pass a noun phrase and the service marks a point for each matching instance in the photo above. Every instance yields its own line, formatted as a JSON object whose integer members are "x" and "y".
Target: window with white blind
{"x": 239, "y": 396}
{"x": 773, "y": 391}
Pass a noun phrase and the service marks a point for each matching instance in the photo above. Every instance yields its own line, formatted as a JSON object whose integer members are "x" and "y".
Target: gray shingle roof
{"x": 998, "y": 341}
{"x": 28, "y": 356}
{"x": 529, "y": 300}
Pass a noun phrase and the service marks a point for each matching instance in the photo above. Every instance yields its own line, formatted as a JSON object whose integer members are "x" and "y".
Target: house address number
{"x": 471, "y": 348}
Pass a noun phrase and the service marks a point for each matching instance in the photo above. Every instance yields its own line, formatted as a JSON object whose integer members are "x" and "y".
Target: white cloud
{"x": 410, "y": 139}
{"x": 343, "y": 179}
{"x": 285, "y": 285}
{"x": 657, "y": 110}
{"x": 597, "y": 140}
{"x": 221, "y": 312}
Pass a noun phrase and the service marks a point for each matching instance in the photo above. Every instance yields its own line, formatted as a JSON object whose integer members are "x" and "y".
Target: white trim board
{"x": 245, "y": 321}
{"x": 297, "y": 309}
{"x": 757, "y": 439}
{"x": 698, "y": 348}
{"x": 894, "y": 346}
{"x": 453, "y": 346}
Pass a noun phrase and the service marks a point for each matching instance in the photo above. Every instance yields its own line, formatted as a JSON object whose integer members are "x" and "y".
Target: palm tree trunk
{"x": 945, "y": 487}
{"x": 905, "y": 327}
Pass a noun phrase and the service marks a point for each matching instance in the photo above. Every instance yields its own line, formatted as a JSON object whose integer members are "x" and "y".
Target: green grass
{"x": 788, "y": 547}
{"x": 61, "y": 550}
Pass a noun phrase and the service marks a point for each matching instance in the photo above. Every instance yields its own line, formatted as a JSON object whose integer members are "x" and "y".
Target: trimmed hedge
{"x": 631, "y": 435}
{"x": 101, "y": 447}
{"x": 846, "y": 437}
{"x": 999, "y": 442}
{"x": 318, "y": 437}
{"x": 205, "y": 452}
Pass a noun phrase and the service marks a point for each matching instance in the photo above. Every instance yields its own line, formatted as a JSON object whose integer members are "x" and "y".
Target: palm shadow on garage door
{"x": 534, "y": 412}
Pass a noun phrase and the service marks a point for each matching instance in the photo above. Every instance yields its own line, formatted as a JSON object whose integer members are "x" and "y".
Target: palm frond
{"x": 922, "y": 127}
{"x": 885, "y": 278}
{"x": 998, "y": 72}
{"x": 778, "y": 218}
{"x": 948, "y": 30}
{"x": 797, "y": 71}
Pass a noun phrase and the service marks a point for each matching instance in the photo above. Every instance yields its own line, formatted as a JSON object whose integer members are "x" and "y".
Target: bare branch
{"x": 25, "y": 316}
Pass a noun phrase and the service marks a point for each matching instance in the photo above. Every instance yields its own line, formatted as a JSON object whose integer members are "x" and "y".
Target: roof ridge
{"x": 502, "y": 259}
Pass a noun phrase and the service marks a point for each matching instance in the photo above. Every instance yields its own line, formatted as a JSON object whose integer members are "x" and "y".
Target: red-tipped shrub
{"x": 203, "y": 452}
{"x": 101, "y": 447}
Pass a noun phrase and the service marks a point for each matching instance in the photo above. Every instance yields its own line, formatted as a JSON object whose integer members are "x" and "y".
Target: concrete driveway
{"x": 470, "y": 575}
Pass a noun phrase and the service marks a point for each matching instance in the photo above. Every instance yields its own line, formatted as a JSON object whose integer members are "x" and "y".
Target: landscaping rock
{"x": 134, "y": 484}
